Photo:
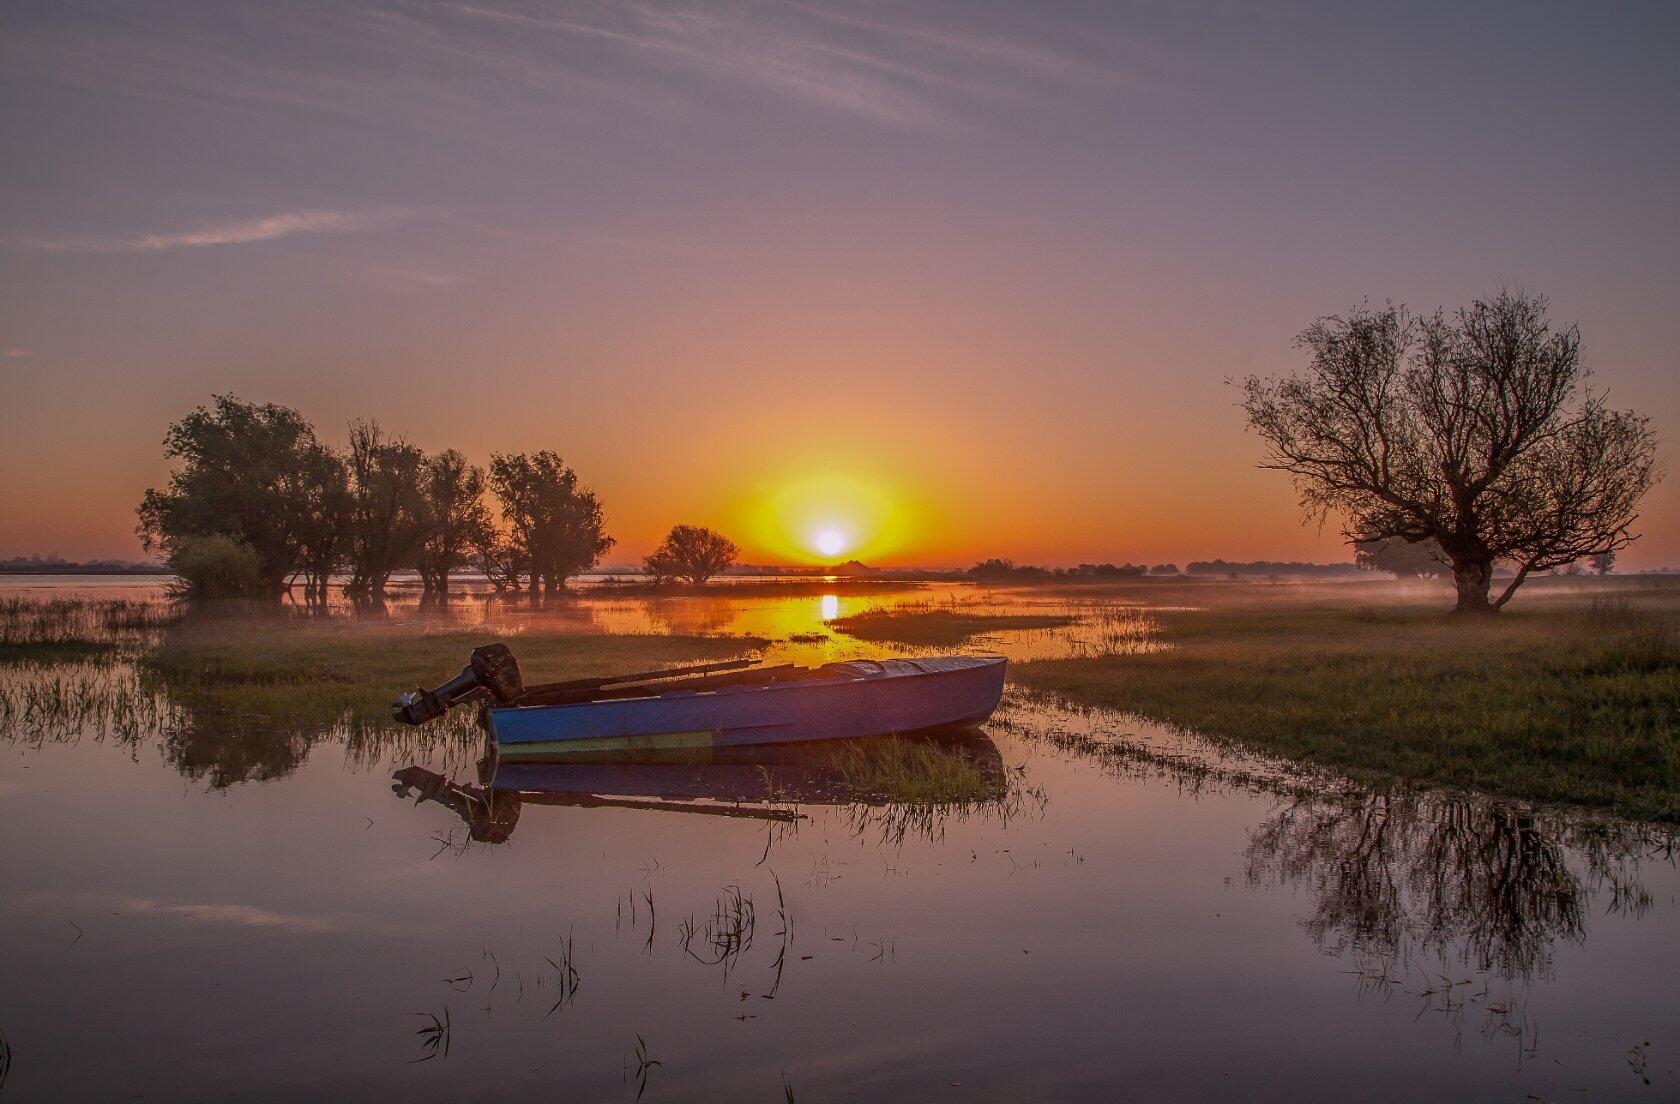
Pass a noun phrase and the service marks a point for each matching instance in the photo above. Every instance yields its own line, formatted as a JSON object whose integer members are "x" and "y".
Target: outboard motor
{"x": 493, "y": 671}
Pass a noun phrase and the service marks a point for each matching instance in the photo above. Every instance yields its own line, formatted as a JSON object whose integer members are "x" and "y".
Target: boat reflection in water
{"x": 953, "y": 771}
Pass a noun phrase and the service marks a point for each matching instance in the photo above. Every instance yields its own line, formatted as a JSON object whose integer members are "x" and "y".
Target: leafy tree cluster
{"x": 257, "y": 501}
{"x": 555, "y": 526}
{"x": 1006, "y": 570}
{"x": 691, "y": 553}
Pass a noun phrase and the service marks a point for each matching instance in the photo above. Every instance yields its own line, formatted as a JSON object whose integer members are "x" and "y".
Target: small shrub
{"x": 217, "y": 566}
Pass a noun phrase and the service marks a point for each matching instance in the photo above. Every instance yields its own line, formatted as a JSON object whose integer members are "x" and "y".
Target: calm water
{"x": 1122, "y": 913}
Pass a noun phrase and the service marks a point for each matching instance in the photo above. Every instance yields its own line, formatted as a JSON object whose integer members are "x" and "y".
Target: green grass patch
{"x": 1562, "y": 703}
{"x": 917, "y": 772}
{"x": 928, "y": 626}
{"x": 291, "y": 670}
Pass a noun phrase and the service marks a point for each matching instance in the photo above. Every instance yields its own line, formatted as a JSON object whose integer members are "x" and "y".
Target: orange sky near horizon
{"x": 955, "y": 281}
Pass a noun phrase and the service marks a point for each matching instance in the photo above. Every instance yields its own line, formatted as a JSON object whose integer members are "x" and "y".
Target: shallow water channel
{"x": 1093, "y": 907}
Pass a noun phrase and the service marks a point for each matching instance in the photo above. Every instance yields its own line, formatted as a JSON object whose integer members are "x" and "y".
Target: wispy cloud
{"x": 571, "y": 61}
{"x": 243, "y": 232}
{"x": 883, "y": 70}
{"x": 14, "y": 352}
{"x": 778, "y": 56}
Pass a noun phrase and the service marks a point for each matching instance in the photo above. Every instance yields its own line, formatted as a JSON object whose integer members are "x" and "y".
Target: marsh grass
{"x": 726, "y": 935}
{"x": 434, "y": 1036}
{"x": 784, "y": 937}
{"x": 59, "y": 703}
{"x": 57, "y": 630}
{"x": 644, "y": 1064}
{"x": 566, "y": 974}
{"x": 937, "y": 625}
{"x": 1109, "y": 629}
{"x": 902, "y": 788}
{"x": 1561, "y": 701}
{"x": 912, "y": 772}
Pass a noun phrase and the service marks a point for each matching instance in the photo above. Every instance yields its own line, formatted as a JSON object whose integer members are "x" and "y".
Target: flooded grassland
{"x": 228, "y": 874}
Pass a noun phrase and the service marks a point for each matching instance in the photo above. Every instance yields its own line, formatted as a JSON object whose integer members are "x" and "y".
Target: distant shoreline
{"x": 87, "y": 569}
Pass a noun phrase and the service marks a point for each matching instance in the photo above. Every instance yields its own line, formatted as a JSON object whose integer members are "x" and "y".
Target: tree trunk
{"x": 1472, "y": 578}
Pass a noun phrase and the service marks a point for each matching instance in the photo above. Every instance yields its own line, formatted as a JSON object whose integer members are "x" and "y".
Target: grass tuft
{"x": 930, "y": 625}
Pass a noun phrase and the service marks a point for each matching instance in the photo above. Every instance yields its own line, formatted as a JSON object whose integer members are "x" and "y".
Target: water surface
{"x": 1117, "y": 912}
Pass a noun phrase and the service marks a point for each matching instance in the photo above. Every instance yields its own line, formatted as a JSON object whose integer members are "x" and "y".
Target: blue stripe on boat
{"x": 843, "y": 700}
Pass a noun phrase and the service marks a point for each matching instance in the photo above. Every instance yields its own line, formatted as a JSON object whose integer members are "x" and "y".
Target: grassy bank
{"x": 292, "y": 670}
{"x": 1565, "y": 699}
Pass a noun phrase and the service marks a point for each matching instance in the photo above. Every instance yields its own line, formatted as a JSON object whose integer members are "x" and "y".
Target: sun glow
{"x": 820, "y": 517}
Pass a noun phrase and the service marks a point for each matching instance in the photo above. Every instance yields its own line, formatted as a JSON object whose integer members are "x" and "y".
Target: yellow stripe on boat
{"x": 651, "y": 743}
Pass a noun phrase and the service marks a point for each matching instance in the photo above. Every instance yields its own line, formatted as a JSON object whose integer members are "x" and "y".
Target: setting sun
{"x": 817, "y": 517}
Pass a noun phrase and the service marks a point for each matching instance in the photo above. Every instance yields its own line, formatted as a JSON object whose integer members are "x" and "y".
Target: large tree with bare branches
{"x": 1477, "y": 430}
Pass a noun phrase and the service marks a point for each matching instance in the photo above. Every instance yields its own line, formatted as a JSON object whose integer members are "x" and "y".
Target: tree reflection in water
{"x": 1494, "y": 886}
{"x": 1398, "y": 879}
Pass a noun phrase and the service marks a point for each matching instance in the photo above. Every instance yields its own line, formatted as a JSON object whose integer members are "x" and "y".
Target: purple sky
{"x": 993, "y": 260}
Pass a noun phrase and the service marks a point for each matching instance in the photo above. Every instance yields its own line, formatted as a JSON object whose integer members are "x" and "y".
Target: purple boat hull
{"x": 841, "y": 701}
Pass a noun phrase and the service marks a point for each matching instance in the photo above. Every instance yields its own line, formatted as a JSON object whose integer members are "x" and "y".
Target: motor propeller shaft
{"x": 492, "y": 671}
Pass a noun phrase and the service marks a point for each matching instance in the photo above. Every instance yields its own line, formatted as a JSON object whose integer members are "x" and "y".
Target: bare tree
{"x": 691, "y": 552}
{"x": 1476, "y": 430}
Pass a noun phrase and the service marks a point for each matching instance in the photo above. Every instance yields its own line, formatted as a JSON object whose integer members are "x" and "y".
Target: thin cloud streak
{"x": 264, "y": 229}
{"x": 785, "y": 50}
{"x": 919, "y": 76}
{"x": 736, "y": 51}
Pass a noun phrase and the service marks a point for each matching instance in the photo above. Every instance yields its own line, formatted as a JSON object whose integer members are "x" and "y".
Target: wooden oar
{"x": 640, "y": 676}
{"x": 596, "y": 801}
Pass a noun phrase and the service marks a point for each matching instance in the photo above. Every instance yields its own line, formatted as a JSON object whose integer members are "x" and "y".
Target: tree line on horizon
{"x": 1427, "y": 560}
{"x": 258, "y": 501}
{"x": 1001, "y": 569}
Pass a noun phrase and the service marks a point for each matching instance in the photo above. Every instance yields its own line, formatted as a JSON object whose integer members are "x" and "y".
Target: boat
{"x": 767, "y": 782}
{"x": 687, "y": 710}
